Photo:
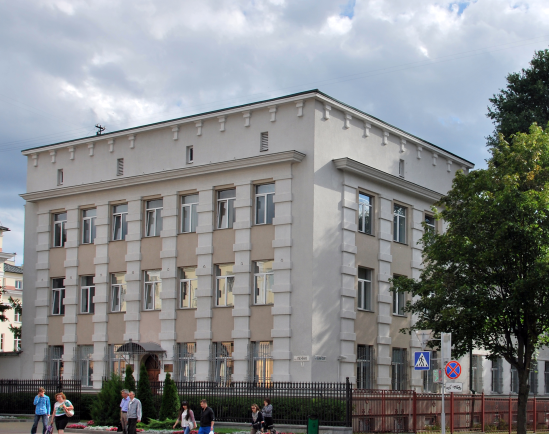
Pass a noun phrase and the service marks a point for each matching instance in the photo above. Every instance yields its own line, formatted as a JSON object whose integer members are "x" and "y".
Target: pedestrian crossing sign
{"x": 422, "y": 360}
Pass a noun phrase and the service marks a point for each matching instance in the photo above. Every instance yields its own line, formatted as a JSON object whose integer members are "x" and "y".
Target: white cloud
{"x": 338, "y": 25}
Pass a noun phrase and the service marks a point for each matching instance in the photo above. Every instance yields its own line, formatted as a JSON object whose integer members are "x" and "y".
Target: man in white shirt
{"x": 134, "y": 412}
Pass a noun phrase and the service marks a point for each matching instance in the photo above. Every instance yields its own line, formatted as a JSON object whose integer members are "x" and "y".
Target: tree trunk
{"x": 524, "y": 389}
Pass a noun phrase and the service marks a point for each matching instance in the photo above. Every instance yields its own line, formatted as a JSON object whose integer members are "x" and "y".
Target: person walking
{"x": 124, "y": 410}
{"x": 59, "y": 412}
{"x": 42, "y": 411}
{"x": 186, "y": 416}
{"x": 267, "y": 414}
{"x": 257, "y": 419}
{"x": 134, "y": 412}
{"x": 207, "y": 418}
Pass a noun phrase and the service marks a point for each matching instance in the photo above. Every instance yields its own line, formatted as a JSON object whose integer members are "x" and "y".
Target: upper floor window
{"x": 263, "y": 282}
{"x": 118, "y": 292}
{"x": 88, "y": 225}
{"x": 60, "y": 177}
{"x": 187, "y": 287}
{"x": 119, "y": 222}
{"x": 364, "y": 289}
{"x": 153, "y": 288}
{"x": 154, "y": 218}
{"x": 398, "y": 302}
{"x": 189, "y": 213}
{"x": 399, "y": 224}
{"x": 264, "y": 204}
{"x": 59, "y": 229}
{"x": 18, "y": 284}
{"x": 401, "y": 168}
{"x": 224, "y": 285}
{"x": 365, "y": 213}
{"x": 86, "y": 295}
{"x": 58, "y": 296}
{"x": 225, "y": 208}
{"x": 190, "y": 154}
{"x": 2, "y": 342}
{"x": 430, "y": 223}
{"x": 17, "y": 315}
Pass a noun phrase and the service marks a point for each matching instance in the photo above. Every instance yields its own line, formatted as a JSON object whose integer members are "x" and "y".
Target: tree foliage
{"x": 169, "y": 408}
{"x": 3, "y": 307}
{"x": 106, "y": 408}
{"x": 144, "y": 394}
{"x": 17, "y": 306}
{"x": 525, "y": 100}
{"x": 486, "y": 279}
{"x": 129, "y": 380}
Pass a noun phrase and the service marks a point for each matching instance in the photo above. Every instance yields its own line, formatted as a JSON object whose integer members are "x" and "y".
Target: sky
{"x": 427, "y": 67}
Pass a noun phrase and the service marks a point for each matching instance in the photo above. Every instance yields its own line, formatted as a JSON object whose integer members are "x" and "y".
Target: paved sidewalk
{"x": 18, "y": 428}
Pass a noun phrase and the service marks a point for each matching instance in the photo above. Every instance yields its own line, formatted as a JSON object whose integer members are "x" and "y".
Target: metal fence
{"x": 17, "y": 396}
{"x": 408, "y": 411}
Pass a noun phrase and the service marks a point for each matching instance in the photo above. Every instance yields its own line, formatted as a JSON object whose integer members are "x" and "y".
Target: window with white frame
{"x": 399, "y": 369}
{"x": 189, "y": 213}
{"x": 85, "y": 364}
{"x": 17, "y": 314}
{"x": 87, "y": 291}
{"x": 399, "y": 224}
{"x": 365, "y": 209}
{"x": 365, "y": 367}
{"x": 429, "y": 386}
{"x": 59, "y": 176}
{"x": 264, "y": 204}
{"x": 186, "y": 363}
{"x": 223, "y": 363}
{"x": 2, "y": 342}
{"x": 119, "y": 222}
{"x": 533, "y": 377}
{"x": 190, "y": 154}
{"x": 153, "y": 288}
{"x": 154, "y": 217}
{"x": 59, "y": 229}
{"x": 58, "y": 296}
{"x": 399, "y": 300}
{"x": 118, "y": 292}
{"x": 263, "y": 282}
{"x": 187, "y": 288}
{"x": 262, "y": 362}
{"x": 225, "y": 208}
{"x": 88, "y": 225}
{"x": 497, "y": 375}
{"x": 364, "y": 288}
{"x": 117, "y": 363}
{"x": 16, "y": 344}
{"x": 430, "y": 223}
{"x": 401, "y": 168}
{"x": 54, "y": 359}
{"x": 514, "y": 380}
{"x": 18, "y": 284}
{"x": 224, "y": 285}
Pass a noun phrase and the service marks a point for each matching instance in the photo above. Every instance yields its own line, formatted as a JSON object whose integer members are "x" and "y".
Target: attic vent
{"x": 119, "y": 167}
{"x": 264, "y": 142}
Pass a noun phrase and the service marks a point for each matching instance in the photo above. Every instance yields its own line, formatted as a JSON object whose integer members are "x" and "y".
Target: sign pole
{"x": 446, "y": 350}
{"x": 442, "y": 414}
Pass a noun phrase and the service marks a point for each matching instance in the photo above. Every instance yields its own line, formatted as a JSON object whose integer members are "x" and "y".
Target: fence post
{"x": 482, "y": 412}
{"x": 452, "y": 412}
{"x": 535, "y": 414}
{"x": 510, "y": 414}
{"x": 383, "y": 410}
{"x": 349, "y": 396}
{"x": 414, "y": 406}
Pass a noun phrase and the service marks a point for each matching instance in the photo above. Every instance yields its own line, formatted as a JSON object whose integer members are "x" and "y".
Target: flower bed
{"x": 77, "y": 426}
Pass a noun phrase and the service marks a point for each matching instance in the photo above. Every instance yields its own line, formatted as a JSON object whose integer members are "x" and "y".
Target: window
{"x": 515, "y": 379}
{"x": 154, "y": 218}
{"x": 429, "y": 386}
{"x": 430, "y": 223}
{"x": 365, "y": 214}
{"x": 533, "y": 377}
{"x": 60, "y": 177}
{"x": 18, "y": 284}
{"x": 364, "y": 289}
{"x": 119, "y": 222}
{"x": 59, "y": 229}
{"x": 546, "y": 377}
{"x": 263, "y": 282}
{"x": 398, "y": 301}
{"x": 118, "y": 292}
{"x": 223, "y": 364}
{"x": 17, "y": 315}
{"x": 87, "y": 292}
{"x": 398, "y": 371}
{"x": 153, "y": 288}
{"x": 224, "y": 285}
{"x": 2, "y": 342}
{"x": 190, "y": 154}
{"x": 187, "y": 287}
{"x": 85, "y": 364}
{"x": 264, "y": 204}
{"x": 262, "y": 360}
{"x": 117, "y": 364}
{"x": 264, "y": 146}
{"x": 225, "y": 208}
{"x": 497, "y": 375}
{"x": 58, "y": 308}
{"x": 189, "y": 213}
{"x": 88, "y": 225}
{"x": 365, "y": 367}
{"x": 401, "y": 168}
{"x": 119, "y": 167}
{"x": 399, "y": 224}
{"x": 16, "y": 344}
{"x": 54, "y": 361}
{"x": 477, "y": 373}
{"x": 186, "y": 363}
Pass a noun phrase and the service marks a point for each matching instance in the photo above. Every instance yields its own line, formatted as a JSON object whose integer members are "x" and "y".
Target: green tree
{"x": 525, "y": 100}
{"x": 106, "y": 408}
{"x": 17, "y": 306}
{"x": 129, "y": 380}
{"x": 486, "y": 279}
{"x": 170, "y": 400}
{"x": 144, "y": 394}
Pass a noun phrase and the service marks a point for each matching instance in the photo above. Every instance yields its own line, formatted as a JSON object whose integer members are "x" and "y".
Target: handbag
{"x": 69, "y": 413}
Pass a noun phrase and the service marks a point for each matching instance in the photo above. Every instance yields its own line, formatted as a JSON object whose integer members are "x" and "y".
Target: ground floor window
{"x": 429, "y": 385}
{"x": 54, "y": 362}
{"x": 186, "y": 363}
{"x": 399, "y": 370}
{"x": 222, "y": 364}
{"x": 477, "y": 373}
{"x": 84, "y": 364}
{"x": 116, "y": 364}
{"x": 514, "y": 380}
{"x": 533, "y": 377}
{"x": 365, "y": 367}
{"x": 262, "y": 362}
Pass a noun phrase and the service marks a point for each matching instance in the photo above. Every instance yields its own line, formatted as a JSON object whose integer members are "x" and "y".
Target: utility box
{"x": 312, "y": 425}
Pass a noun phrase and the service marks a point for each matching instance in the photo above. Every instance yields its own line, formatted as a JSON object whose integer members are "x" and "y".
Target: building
{"x": 249, "y": 243}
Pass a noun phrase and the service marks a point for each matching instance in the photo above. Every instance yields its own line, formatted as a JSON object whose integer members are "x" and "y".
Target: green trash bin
{"x": 312, "y": 425}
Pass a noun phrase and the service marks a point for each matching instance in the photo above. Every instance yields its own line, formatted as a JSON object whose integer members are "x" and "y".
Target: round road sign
{"x": 453, "y": 370}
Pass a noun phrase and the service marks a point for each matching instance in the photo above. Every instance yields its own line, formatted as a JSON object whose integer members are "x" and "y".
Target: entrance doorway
{"x": 152, "y": 363}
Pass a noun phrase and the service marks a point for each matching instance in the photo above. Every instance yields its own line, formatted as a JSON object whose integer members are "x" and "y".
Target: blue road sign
{"x": 422, "y": 360}
{"x": 453, "y": 370}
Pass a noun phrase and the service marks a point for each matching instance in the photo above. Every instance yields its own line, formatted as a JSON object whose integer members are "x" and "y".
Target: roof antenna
{"x": 100, "y": 128}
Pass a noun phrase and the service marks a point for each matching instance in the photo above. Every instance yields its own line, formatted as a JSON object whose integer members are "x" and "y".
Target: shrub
{"x": 129, "y": 380}
{"x": 144, "y": 394}
{"x": 170, "y": 400}
{"x": 106, "y": 408}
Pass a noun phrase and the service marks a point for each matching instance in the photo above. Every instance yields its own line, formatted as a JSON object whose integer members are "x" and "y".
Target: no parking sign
{"x": 453, "y": 370}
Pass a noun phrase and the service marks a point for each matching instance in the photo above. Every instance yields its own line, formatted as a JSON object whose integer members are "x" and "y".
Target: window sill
{"x": 398, "y": 242}
{"x": 223, "y": 307}
{"x": 184, "y": 308}
{"x": 222, "y": 229}
{"x": 263, "y": 224}
{"x": 400, "y": 316}
{"x": 262, "y": 304}
{"x": 114, "y": 241}
{"x": 117, "y": 312}
{"x": 86, "y": 313}
{"x": 185, "y": 233}
{"x": 364, "y": 233}
{"x": 151, "y": 236}
{"x": 57, "y": 247}
{"x": 364, "y": 310}
{"x": 151, "y": 310}
{"x": 53, "y": 314}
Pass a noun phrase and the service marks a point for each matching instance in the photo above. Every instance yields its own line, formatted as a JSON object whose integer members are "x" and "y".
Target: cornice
{"x": 242, "y": 163}
{"x": 352, "y": 166}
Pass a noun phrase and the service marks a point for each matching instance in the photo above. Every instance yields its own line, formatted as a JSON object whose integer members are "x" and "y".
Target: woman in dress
{"x": 59, "y": 414}
{"x": 186, "y": 417}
